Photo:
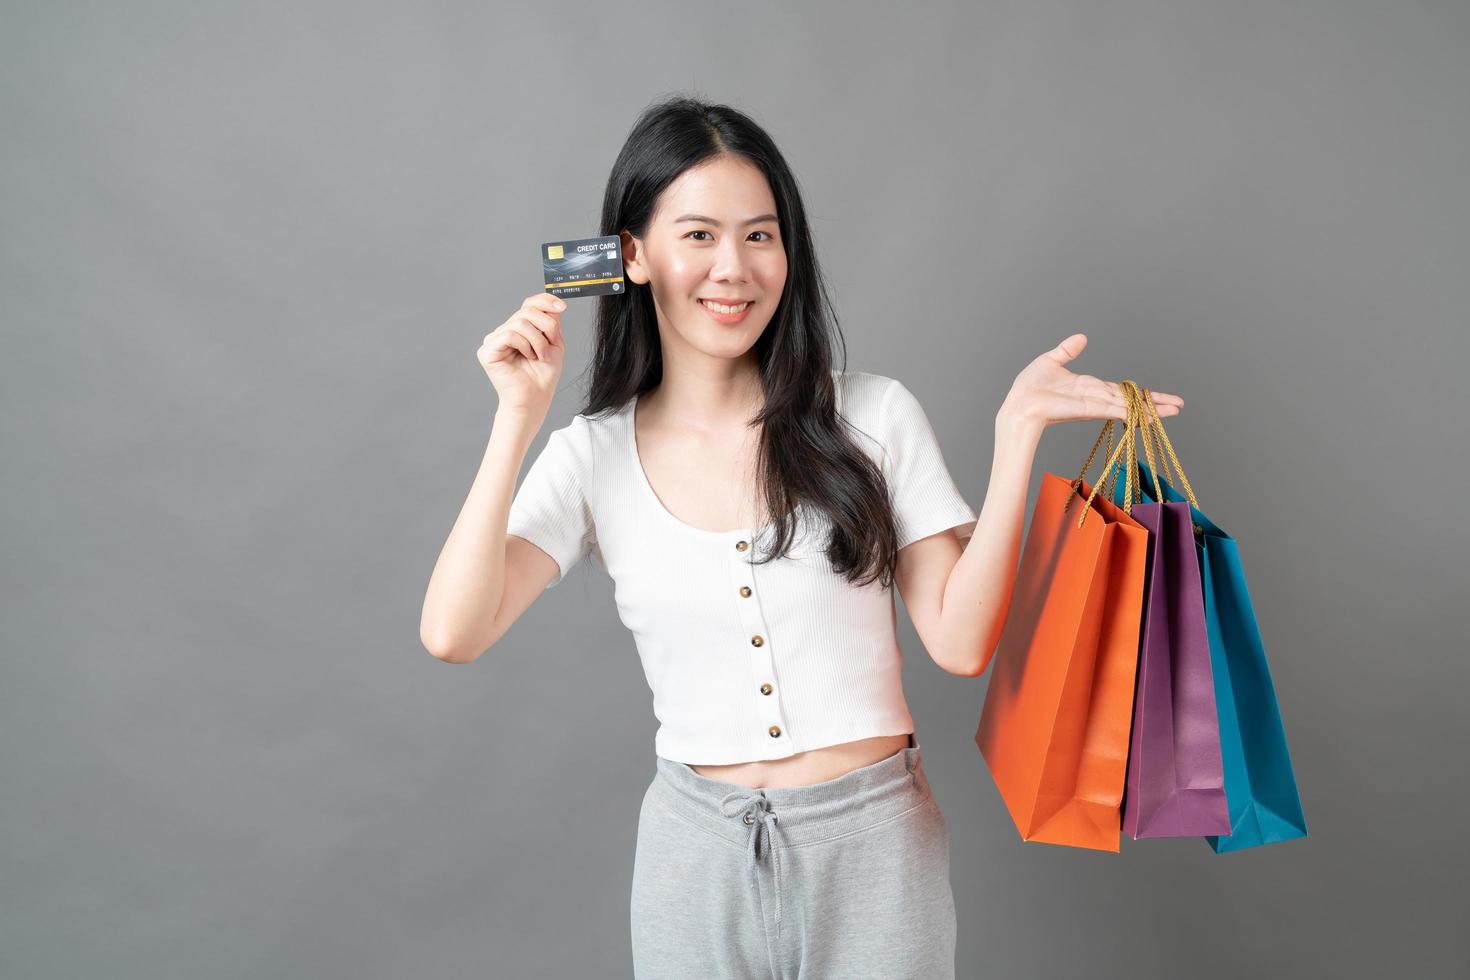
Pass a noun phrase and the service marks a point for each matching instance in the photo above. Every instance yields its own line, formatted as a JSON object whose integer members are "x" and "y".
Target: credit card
{"x": 583, "y": 266}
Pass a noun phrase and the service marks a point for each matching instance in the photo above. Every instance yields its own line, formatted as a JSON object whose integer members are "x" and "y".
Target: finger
{"x": 520, "y": 343}
{"x": 1166, "y": 406}
{"x": 515, "y": 335}
{"x": 549, "y": 325}
{"x": 1104, "y": 405}
{"x": 1111, "y": 392}
{"x": 1068, "y": 349}
{"x": 503, "y": 345}
{"x": 1118, "y": 388}
{"x": 533, "y": 335}
{"x": 1162, "y": 398}
{"x": 545, "y": 301}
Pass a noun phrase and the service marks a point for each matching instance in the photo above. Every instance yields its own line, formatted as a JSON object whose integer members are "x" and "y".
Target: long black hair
{"x": 806, "y": 454}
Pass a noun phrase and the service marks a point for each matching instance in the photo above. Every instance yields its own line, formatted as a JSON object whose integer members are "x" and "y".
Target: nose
{"x": 731, "y": 263}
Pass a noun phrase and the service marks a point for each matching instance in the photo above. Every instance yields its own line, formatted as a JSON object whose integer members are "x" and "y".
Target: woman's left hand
{"x": 1046, "y": 392}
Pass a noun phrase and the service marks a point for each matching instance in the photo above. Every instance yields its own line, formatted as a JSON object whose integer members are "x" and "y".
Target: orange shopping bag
{"x": 1054, "y": 729}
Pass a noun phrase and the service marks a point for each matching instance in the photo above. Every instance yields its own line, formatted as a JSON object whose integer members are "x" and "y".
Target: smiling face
{"x": 713, "y": 237}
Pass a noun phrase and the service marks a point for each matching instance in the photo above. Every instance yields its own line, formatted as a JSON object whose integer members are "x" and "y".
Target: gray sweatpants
{"x": 846, "y": 878}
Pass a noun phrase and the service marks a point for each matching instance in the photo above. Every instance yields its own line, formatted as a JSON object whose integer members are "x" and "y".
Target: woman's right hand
{"x": 523, "y": 356}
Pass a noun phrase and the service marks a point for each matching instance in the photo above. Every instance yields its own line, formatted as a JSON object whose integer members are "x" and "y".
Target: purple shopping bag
{"x": 1175, "y": 785}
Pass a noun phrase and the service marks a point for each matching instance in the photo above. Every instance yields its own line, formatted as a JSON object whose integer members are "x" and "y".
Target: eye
{"x": 698, "y": 231}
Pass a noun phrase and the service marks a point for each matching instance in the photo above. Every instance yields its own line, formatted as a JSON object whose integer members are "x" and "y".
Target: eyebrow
{"x": 711, "y": 221}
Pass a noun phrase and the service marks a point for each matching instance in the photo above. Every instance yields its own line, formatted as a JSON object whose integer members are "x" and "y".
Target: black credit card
{"x": 583, "y": 266}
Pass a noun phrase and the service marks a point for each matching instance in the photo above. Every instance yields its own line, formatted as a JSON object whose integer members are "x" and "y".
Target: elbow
{"x": 969, "y": 648}
{"x": 977, "y": 658}
{"x": 449, "y": 652}
{"x": 450, "y": 656}
{"x": 972, "y": 666}
{"x": 984, "y": 661}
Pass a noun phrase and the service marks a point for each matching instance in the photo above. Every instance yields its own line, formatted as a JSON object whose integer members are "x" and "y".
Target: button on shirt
{"x": 746, "y": 661}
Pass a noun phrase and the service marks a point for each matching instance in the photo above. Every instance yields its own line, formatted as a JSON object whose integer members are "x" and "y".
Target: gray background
{"x": 249, "y": 253}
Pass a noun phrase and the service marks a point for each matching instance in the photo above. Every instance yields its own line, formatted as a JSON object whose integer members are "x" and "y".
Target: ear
{"x": 633, "y": 266}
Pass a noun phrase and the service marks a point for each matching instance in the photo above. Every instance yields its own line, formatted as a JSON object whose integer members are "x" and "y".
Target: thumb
{"x": 1068, "y": 349}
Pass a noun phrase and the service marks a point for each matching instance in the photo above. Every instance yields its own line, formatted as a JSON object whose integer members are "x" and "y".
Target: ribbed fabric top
{"x": 745, "y": 661}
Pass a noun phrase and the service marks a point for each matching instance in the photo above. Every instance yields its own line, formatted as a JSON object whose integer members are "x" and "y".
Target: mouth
{"x": 726, "y": 313}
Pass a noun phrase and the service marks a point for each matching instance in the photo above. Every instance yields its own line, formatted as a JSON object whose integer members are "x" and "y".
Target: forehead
{"x": 728, "y": 189}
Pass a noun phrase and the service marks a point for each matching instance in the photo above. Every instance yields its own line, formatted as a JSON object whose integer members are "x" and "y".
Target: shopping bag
{"x": 1054, "y": 726}
{"x": 1260, "y": 784}
{"x": 1176, "y": 784}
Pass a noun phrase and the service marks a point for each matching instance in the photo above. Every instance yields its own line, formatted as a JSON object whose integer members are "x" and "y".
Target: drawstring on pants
{"x": 755, "y": 810}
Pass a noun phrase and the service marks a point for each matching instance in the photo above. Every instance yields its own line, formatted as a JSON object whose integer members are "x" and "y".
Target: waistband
{"x": 788, "y": 816}
{"x": 854, "y": 800}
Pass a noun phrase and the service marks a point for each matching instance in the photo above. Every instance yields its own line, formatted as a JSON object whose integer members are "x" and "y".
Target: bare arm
{"x": 982, "y": 579}
{"x": 959, "y": 600}
{"x": 468, "y": 582}
{"x": 485, "y": 579}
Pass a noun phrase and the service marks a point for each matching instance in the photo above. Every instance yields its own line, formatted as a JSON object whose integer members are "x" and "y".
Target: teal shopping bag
{"x": 1260, "y": 786}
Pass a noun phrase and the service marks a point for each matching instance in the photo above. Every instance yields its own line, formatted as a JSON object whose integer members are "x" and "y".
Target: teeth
{"x": 724, "y": 309}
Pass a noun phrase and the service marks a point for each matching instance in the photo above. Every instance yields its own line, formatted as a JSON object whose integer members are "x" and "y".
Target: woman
{"x": 754, "y": 507}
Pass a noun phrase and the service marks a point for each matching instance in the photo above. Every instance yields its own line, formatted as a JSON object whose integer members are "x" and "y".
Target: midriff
{"x": 806, "y": 768}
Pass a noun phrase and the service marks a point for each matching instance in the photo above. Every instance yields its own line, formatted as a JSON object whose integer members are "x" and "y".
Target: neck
{"x": 705, "y": 392}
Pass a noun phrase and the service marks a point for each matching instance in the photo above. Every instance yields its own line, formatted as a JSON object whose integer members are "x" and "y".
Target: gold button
{"x": 765, "y": 689}
{"x": 741, "y": 545}
{"x": 757, "y": 640}
{"x": 775, "y": 731}
{"x": 745, "y": 591}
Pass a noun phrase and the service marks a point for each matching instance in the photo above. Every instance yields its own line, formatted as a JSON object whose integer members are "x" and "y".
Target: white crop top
{"x": 746, "y": 662}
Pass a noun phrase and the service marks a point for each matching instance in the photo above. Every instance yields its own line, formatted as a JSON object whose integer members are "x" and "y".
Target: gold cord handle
{"x": 1157, "y": 424}
{"x": 1130, "y": 491}
{"x": 1154, "y": 423}
{"x": 1136, "y": 397}
{"x": 1142, "y": 416}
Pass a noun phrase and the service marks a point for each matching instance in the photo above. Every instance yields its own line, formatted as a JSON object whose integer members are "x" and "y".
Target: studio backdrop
{"x": 248, "y": 254}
